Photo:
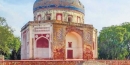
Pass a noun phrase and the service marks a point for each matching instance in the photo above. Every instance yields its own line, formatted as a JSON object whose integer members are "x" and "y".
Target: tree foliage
{"x": 113, "y": 42}
{"x": 8, "y": 42}
{"x": 15, "y": 46}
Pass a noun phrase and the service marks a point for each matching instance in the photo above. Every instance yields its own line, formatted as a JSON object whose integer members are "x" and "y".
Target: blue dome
{"x": 60, "y": 4}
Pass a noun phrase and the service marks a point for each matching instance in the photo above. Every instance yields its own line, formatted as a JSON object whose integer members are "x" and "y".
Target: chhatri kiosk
{"x": 58, "y": 32}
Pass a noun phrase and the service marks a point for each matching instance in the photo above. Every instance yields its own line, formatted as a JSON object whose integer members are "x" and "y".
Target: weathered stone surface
{"x": 91, "y": 62}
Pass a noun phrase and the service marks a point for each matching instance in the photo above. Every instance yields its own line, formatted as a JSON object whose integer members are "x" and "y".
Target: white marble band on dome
{"x": 65, "y": 14}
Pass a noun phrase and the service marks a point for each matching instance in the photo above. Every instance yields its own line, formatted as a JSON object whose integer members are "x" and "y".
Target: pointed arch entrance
{"x": 42, "y": 48}
{"x": 42, "y": 43}
{"x": 73, "y": 46}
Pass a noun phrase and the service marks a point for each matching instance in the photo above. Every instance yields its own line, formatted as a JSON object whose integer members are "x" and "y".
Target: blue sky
{"x": 99, "y": 13}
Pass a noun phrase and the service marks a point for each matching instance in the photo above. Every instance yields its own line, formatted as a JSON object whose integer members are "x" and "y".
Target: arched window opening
{"x": 39, "y": 18}
{"x": 58, "y": 16}
{"x": 70, "y": 44}
{"x": 42, "y": 43}
{"x": 70, "y": 18}
{"x": 78, "y": 19}
{"x": 48, "y": 16}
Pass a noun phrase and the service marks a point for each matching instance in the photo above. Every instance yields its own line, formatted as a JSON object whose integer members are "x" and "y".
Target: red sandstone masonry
{"x": 63, "y": 62}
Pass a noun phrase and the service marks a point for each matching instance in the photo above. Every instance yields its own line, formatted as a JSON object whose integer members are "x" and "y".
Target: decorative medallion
{"x": 36, "y": 36}
{"x": 42, "y": 35}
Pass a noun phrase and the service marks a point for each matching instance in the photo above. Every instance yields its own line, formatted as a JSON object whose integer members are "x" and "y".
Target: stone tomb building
{"x": 58, "y": 32}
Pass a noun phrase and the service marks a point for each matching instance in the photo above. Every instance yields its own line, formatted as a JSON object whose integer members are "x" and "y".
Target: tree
{"x": 113, "y": 42}
{"x": 15, "y": 46}
{"x": 6, "y": 34}
{"x": 8, "y": 41}
{"x": 127, "y": 26}
{"x": 2, "y": 21}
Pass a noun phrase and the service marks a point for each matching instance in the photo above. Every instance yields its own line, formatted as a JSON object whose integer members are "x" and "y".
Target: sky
{"x": 99, "y": 13}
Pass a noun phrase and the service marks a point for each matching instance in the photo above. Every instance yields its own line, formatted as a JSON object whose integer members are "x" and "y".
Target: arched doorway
{"x": 42, "y": 48}
{"x": 42, "y": 43}
{"x": 74, "y": 46}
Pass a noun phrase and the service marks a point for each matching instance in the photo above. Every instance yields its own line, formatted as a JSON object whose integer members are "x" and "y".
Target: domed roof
{"x": 66, "y": 4}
